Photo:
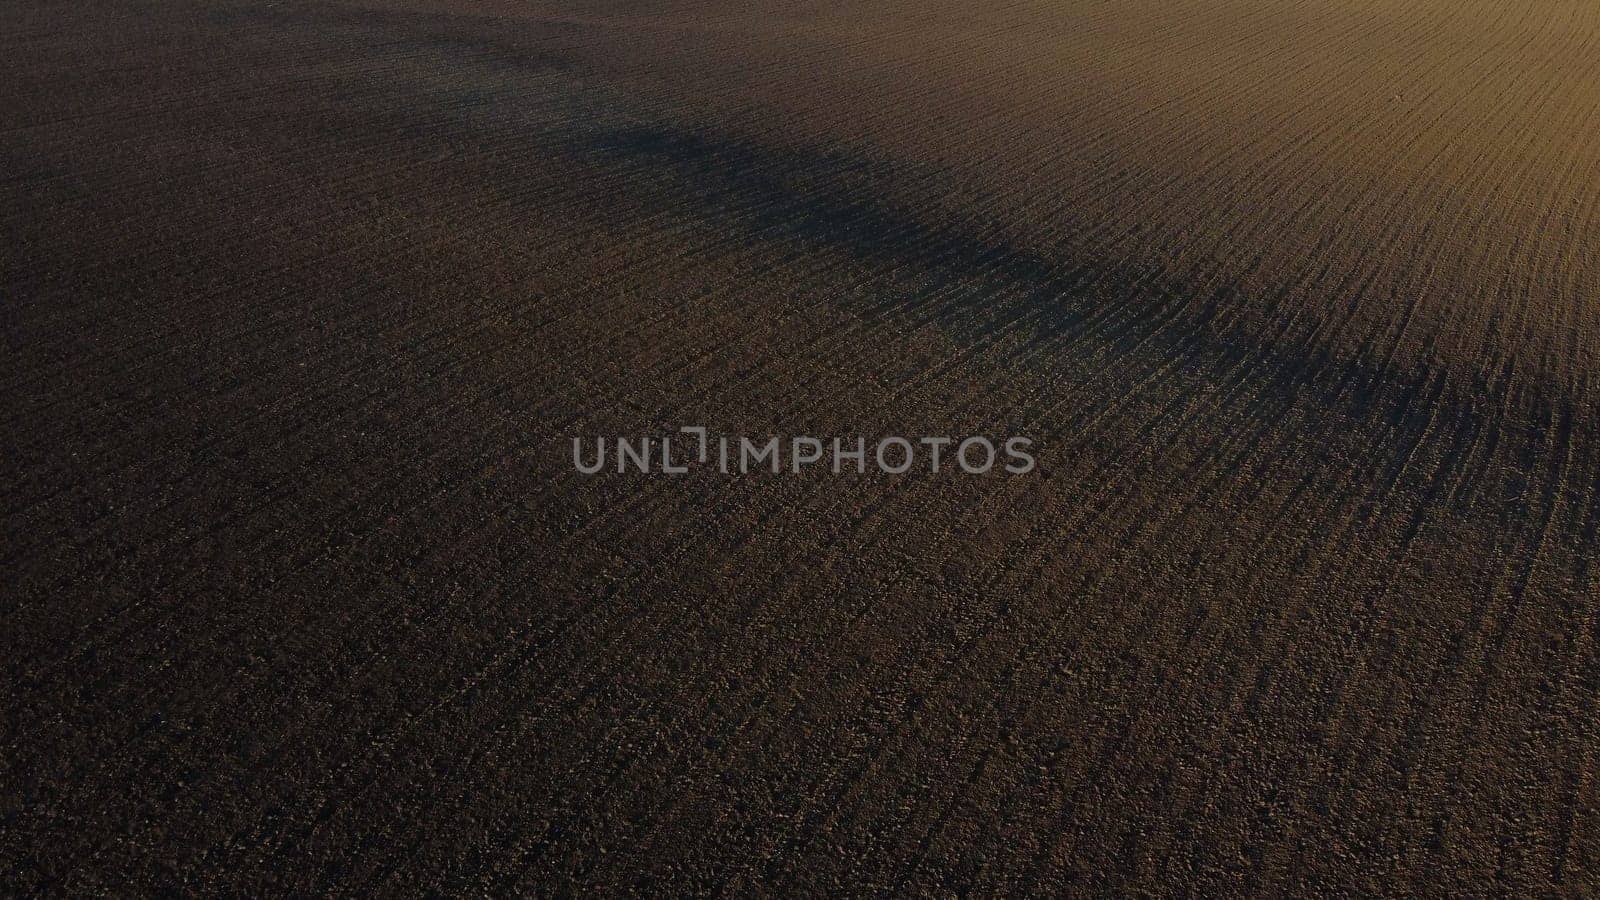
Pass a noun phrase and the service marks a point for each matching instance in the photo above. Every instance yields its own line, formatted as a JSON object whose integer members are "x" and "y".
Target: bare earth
{"x": 303, "y": 303}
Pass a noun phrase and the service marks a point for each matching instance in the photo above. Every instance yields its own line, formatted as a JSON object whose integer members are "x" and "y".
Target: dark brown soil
{"x": 304, "y": 302}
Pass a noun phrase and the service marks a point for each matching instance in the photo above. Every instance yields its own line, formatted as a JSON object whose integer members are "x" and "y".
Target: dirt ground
{"x": 304, "y": 302}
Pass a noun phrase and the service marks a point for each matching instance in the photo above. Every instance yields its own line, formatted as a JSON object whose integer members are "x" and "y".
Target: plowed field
{"x": 304, "y": 303}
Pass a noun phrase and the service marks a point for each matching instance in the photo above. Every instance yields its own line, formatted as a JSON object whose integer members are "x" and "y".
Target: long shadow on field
{"x": 1377, "y": 413}
{"x": 835, "y": 201}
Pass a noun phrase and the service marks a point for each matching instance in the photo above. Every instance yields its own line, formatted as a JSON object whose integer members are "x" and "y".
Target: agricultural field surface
{"x": 305, "y": 306}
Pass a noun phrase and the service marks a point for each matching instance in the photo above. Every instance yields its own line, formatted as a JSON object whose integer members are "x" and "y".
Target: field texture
{"x": 304, "y": 302}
